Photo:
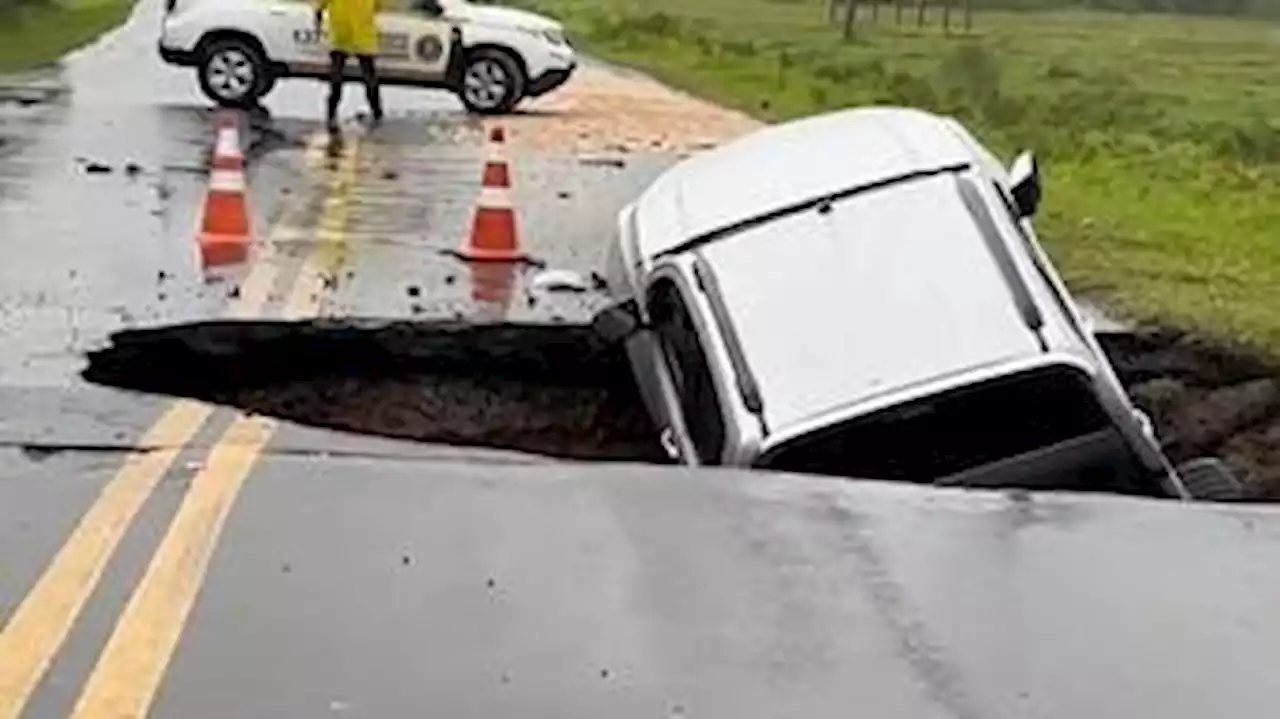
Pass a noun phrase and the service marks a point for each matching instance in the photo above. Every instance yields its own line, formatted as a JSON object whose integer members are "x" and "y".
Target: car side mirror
{"x": 1024, "y": 180}
{"x": 429, "y": 7}
{"x": 617, "y": 322}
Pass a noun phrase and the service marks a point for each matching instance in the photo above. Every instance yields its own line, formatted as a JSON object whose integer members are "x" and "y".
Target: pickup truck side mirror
{"x": 617, "y": 322}
{"x": 1024, "y": 180}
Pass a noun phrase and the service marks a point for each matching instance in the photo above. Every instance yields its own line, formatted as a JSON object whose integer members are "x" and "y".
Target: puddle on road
{"x": 550, "y": 390}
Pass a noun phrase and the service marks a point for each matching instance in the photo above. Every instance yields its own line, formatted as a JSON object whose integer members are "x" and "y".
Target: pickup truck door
{"x": 693, "y": 425}
{"x": 288, "y": 34}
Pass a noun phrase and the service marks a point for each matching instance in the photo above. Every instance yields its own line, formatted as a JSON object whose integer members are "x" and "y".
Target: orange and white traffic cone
{"x": 492, "y": 288}
{"x": 224, "y": 232}
{"x": 494, "y": 236}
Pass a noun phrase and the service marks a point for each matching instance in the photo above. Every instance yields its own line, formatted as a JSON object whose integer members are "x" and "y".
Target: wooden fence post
{"x": 920, "y": 10}
{"x": 850, "y": 17}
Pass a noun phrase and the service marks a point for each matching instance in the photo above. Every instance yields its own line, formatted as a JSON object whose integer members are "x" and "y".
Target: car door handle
{"x": 668, "y": 441}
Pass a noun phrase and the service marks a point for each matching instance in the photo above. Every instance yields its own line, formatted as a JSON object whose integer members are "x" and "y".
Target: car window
{"x": 953, "y": 432}
{"x": 690, "y": 373}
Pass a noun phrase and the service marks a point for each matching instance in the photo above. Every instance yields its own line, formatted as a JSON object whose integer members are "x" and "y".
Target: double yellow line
{"x": 132, "y": 665}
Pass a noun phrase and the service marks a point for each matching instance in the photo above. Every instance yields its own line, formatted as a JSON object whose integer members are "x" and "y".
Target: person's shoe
{"x": 333, "y": 151}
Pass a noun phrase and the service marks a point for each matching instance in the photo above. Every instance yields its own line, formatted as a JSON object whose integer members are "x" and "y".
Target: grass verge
{"x": 1156, "y": 133}
{"x": 37, "y": 32}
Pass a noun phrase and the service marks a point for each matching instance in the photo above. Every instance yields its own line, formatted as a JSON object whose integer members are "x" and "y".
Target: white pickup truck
{"x": 889, "y": 315}
{"x": 491, "y": 57}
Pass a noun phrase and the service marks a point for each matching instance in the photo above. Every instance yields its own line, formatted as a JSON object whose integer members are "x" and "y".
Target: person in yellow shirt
{"x": 353, "y": 30}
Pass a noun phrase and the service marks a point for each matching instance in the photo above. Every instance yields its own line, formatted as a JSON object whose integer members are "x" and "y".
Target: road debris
{"x": 602, "y": 162}
{"x": 606, "y": 112}
{"x": 559, "y": 281}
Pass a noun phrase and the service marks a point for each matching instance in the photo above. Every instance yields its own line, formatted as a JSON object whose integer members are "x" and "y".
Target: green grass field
{"x": 37, "y": 32}
{"x": 1159, "y": 135}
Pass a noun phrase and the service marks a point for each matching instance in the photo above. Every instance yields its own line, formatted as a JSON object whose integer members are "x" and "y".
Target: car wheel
{"x": 492, "y": 82}
{"x": 233, "y": 72}
{"x": 1211, "y": 480}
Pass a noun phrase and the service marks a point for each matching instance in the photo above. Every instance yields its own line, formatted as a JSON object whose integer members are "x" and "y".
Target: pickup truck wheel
{"x": 233, "y": 72}
{"x": 492, "y": 82}
{"x": 1210, "y": 479}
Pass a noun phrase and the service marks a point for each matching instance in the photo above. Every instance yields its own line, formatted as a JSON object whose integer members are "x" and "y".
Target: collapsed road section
{"x": 1205, "y": 400}
{"x": 551, "y": 390}
{"x": 557, "y": 390}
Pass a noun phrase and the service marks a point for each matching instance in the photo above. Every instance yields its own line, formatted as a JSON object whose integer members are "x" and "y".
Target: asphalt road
{"x": 103, "y": 170}
{"x": 170, "y": 556}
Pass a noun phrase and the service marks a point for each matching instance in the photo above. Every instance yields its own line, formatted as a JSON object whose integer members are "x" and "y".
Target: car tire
{"x": 233, "y": 72}
{"x": 492, "y": 82}
{"x": 268, "y": 84}
{"x": 1210, "y": 479}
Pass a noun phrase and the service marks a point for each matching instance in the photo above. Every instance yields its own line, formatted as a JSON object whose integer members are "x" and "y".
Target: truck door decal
{"x": 393, "y": 46}
{"x": 307, "y": 36}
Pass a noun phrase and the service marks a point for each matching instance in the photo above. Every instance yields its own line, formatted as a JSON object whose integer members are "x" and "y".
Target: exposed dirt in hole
{"x": 555, "y": 390}
{"x": 546, "y": 389}
{"x": 1206, "y": 400}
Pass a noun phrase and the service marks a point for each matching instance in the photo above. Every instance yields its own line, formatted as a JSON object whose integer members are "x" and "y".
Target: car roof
{"x": 887, "y": 289}
{"x": 789, "y": 163}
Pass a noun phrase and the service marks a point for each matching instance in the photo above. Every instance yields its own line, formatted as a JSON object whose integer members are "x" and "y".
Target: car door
{"x": 694, "y": 428}
{"x": 289, "y": 35}
{"x": 413, "y": 44}
{"x": 414, "y": 41}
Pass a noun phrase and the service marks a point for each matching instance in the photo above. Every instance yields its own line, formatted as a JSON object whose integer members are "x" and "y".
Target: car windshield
{"x": 946, "y": 434}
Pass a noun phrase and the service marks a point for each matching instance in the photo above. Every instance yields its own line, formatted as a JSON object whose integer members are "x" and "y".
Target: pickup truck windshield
{"x": 1048, "y": 416}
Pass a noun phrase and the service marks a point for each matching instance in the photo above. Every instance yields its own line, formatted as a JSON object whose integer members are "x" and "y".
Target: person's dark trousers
{"x": 368, "y": 71}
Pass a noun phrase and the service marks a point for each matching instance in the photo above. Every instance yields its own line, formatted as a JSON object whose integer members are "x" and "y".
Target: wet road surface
{"x": 182, "y": 557}
{"x": 105, "y": 493}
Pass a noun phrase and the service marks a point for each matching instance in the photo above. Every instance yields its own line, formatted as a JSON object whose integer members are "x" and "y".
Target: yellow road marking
{"x": 134, "y": 662}
{"x": 331, "y": 240}
{"x": 125, "y": 679}
{"x": 41, "y": 623}
{"x": 255, "y": 289}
